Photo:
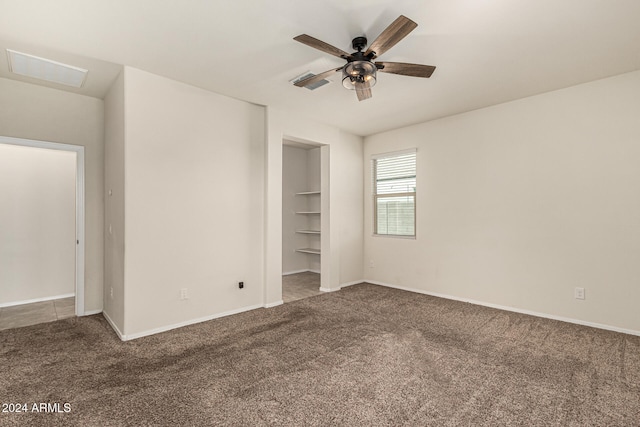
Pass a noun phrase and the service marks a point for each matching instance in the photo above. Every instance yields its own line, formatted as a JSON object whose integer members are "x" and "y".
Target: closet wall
{"x": 300, "y": 217}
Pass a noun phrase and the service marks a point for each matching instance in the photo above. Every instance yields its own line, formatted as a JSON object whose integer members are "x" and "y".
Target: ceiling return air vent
{"x": 312, "y": 86}
{"x": 45, "y": 69}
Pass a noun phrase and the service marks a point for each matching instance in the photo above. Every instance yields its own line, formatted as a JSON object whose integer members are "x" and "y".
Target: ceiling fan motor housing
{"x": 359, "y": 43}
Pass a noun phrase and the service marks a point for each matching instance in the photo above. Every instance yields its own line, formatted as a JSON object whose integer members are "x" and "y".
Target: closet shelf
{"x": 308, "y": 231}
{"x": 307, "y": 193}
{"x": 309, "y": 251}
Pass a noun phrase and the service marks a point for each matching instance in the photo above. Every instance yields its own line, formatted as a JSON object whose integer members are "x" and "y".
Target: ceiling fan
{"x": 359, "y": 72}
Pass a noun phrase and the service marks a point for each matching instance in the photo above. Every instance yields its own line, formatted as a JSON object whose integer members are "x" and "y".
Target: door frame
{"x": 325, "y": 227}
{"x": 80, "y": 205}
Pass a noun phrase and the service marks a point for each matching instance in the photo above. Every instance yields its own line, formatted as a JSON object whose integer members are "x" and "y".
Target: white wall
{"x": 343, "y": 265}
{"x": 195, "y": 207}
{"x": 347, "y": 207}
{"x": 37, "y": 223}
{"x": 521, "y": 202}
{"x": 114, "y": 225}
{"x": 194, "y": 203}
{"x": 35, "y": 112}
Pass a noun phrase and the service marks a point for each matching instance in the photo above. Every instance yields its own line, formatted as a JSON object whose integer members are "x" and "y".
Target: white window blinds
{"x": 394, "y": 193}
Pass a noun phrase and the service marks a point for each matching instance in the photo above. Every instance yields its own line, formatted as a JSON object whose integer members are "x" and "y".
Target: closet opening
{"x": 302, "y": 219}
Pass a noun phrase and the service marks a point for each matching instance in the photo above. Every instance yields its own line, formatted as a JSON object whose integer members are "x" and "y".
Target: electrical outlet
{"x": 183, "y": 293}
{"x": 371, "y": 263}
{"x": 240, "y": 285}
{"x": 111, "y": 292}
{"x": 578, "y": 293}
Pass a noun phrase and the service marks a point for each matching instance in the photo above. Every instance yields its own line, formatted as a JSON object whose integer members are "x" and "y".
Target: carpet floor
{"x": 366, "y": 355}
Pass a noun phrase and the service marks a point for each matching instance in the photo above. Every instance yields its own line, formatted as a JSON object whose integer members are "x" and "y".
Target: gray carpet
{"x": 366, "y": 355}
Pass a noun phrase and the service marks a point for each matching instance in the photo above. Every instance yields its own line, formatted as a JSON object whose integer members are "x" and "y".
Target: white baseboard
{"x": 128, "y": 337}
{"x": 512, "y": 309}
{"x": 113, "y": 326}
{"x": 289, "y": 273}
{"x": 356, "y": 282}
{"x": 273, "y": 304}
{"x": 342, "y": 285}
{"x": 29, "y": 301}
{"x": 91, "y": 312}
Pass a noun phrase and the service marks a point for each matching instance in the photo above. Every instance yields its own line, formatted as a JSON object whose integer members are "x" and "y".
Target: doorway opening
{"x": 42, "y": 248}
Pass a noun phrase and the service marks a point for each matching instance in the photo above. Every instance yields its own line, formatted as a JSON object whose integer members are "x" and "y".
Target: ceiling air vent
{"x": 45, "y": 69}
{"x": 312, "y": 86}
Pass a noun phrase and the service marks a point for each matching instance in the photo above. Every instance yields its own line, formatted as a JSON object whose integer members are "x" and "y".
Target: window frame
{"x": 376, "y": 196}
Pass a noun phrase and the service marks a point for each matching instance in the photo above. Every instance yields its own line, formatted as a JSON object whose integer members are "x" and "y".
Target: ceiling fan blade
{"x": 364, "y": 94}
{"x": 317, "y": 77}
{"x": 414, "y": 70}
{"x": 395, "y": 32}
{"x": 320, "y": 45}
{"x": 363, "y": 90}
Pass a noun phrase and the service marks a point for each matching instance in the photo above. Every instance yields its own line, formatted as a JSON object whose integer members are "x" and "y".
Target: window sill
{"x": 394, "y": 236}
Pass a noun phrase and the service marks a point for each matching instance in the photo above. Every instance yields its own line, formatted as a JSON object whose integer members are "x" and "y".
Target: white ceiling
{"x": 486, "y": 51}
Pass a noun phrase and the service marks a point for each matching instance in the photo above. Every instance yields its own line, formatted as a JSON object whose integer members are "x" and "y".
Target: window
{"x": 394, "y": 193}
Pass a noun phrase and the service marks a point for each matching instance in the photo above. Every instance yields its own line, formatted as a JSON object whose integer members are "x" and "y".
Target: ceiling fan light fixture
{"x": 359, "y": 72}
